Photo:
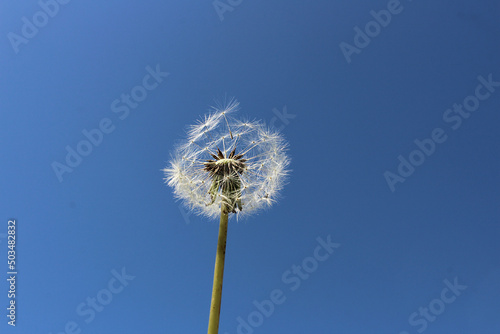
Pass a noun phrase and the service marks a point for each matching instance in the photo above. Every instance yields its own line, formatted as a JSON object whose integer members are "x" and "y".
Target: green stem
{"x": 213, "y": 322}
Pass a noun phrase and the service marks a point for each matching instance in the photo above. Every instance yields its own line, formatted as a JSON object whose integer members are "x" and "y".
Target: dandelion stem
{"x": 213, "y": 322}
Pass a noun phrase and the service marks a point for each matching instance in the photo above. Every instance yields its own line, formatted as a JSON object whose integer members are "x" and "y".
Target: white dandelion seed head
{"x": 228, "y": 163}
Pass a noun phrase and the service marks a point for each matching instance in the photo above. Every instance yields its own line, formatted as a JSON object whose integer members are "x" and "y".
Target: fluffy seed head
{"x": 239, "y": 166}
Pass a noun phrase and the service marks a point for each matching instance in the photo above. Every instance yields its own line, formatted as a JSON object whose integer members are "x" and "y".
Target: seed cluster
{"x": 225, "y": 173}
{"x": 226, "y": 164}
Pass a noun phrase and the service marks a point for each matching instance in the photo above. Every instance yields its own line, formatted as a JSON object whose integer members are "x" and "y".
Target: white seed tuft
{"x": 264, "y": 160}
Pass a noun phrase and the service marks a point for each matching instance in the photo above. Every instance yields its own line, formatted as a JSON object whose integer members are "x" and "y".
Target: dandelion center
{"x": 225, "y": 172}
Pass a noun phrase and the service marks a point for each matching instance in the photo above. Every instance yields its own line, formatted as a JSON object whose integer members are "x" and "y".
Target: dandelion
{"x": 227, "y": 166}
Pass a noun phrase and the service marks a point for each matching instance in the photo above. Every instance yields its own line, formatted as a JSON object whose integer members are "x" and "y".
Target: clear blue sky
{"x": 409, "y": 257}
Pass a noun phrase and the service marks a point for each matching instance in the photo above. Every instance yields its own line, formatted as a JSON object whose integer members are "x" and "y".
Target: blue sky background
{"x": 352, "y": 121}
